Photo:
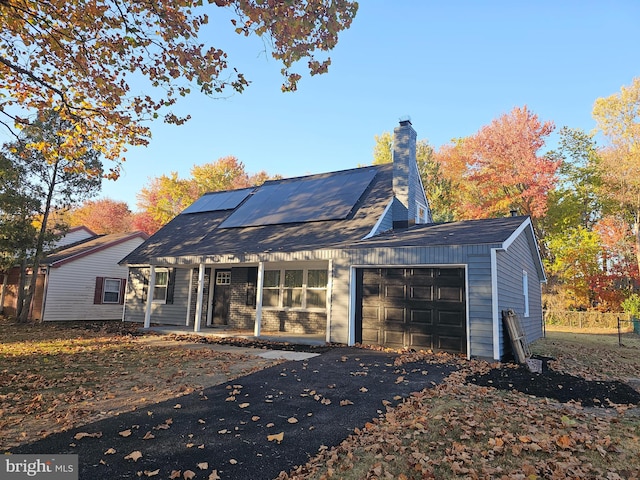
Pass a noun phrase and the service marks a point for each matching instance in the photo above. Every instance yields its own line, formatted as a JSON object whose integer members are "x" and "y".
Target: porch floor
{"x": 222, "y": 332}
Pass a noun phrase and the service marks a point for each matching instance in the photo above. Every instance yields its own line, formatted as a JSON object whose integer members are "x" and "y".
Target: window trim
{"x": 156, "y": 286}
{"x": 105, "y": 291}
{"x": 525, "y": 292}
{"x": 305, "y": 280}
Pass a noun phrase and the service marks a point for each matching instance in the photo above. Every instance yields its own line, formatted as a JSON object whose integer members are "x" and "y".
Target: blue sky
{"x": 451, "y": 66}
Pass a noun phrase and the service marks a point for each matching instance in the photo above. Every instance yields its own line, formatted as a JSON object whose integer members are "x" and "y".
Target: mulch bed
{"x": 560, "y": 386}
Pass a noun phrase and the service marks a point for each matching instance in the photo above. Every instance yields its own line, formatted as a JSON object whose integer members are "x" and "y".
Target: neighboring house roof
{"x": 88, "y": 246}
{"x": 303, "y": 213}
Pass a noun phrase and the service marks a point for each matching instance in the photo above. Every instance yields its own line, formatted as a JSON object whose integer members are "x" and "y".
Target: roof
{"x": 88, "y": 246}
{"x": 468, "y": 232}
{"x": 359, "y": 198}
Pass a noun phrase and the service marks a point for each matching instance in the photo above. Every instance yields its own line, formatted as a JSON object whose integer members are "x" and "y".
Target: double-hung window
{"x": 111, "y": 290}
{"x": 161, "y": 286}
{"x": 304, "y": 289}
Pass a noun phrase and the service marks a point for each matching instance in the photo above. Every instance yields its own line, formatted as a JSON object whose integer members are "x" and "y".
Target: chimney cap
{"x": 405, "y": 120}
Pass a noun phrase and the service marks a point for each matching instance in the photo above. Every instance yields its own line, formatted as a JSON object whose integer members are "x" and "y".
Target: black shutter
{"x": 97, "y": 293}
{"x": 123, "y": 289}
{"x": 145, "y": 283}
{"x": 171, "y": 283}
{"x": 252, "y": 284}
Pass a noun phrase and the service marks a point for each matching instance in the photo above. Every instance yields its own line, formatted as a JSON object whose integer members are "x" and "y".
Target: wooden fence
{"x": 586, "y": 319}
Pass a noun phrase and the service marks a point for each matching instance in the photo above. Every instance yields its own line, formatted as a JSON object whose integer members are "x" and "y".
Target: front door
{"x": 221, "y": 297}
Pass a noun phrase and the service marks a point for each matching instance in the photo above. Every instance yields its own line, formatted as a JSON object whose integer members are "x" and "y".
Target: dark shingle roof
{"x": 198, "y": 234}
{"x": 468, "y": 232}
{"x": 87, "y": 246}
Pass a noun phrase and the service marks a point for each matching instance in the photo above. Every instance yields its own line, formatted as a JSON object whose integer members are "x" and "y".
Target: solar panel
{"x": 215, "y": 201}
{"x": 305, "y": 199}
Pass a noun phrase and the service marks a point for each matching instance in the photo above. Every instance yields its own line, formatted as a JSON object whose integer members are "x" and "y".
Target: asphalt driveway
{"x": 251, "y": 428}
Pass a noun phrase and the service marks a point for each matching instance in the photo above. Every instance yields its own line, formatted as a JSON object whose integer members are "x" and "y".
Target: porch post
{"x": 258, "y": 324}
{"x": 152, "y": 286}
{"x": 328, "y": 300}
{"x": 198, "y": 322}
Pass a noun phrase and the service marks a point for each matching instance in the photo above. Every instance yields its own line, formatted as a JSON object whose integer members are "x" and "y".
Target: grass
{"x": 55, "y": 377}
{"x": 59, "y": 376}
{"x": 457, "y": 430}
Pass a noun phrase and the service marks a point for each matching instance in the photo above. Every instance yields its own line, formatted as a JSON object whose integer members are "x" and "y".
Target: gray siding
{"x": 165, "y": 314}
{"x": 510, "y": 266}
{"x": 479, "y": 308}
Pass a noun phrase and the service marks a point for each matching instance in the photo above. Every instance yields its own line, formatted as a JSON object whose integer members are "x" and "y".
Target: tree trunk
{"x": 37, "y": 256}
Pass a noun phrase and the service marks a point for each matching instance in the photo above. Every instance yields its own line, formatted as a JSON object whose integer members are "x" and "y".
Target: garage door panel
{"x": 413, "y": 307}
{"x": 424, "y": 317}
{"x": 371, "y": 313}
{"x": 394, "y": 291}
{"x": 394, "y": 314}
{"x": 451, "y": 318}
{"x": 450, "y": 344}
{"x": 421, "y": 293}
{"x": 450, "y": 294}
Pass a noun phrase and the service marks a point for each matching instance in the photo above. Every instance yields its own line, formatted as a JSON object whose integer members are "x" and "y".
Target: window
{"x": 525, "y": 292}
{"x": 223, "y": 278}
{"x": 422, "y": 213}
{"x": 111, "y": 290}
{"x": 296, "y": 289}
{"x": 161, "y": 286}
{"x": 271, "y": 289}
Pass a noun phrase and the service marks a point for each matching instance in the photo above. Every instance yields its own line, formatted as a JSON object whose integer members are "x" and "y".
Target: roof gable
{"x": 87, "y": 247}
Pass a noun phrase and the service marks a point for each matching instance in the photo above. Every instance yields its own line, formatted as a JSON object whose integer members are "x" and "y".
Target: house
{"x": 80, "y": 279}
{"x": 351, "y": 255}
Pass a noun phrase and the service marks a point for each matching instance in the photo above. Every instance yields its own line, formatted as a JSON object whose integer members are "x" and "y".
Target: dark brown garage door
{"x": 412, "y": 307}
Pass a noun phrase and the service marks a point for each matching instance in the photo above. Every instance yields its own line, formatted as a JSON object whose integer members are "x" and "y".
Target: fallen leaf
{"x": 177, "y": 405}
{"x": 201, "y": 421}
{"x": 276, "y": 437}
{"x": 188, "y": 475}
{"x": 269, "y": 425}
{"x": 135, "y": 456}
{"x": 233, "y": 461}
{"x": 81, "y": 435}
{"x": 203, "y": 465}
{"x": 292, "y": 420}
{"x": 400, "y": 379}
{"x": 214, "y": 475}
{"x": 125, "y": 433}
{"x": 345, "y": 402}
{"x": 364, "y": 389}
{"x": 255, "y": 418}
{"x": 152, "y": 474}
{"x": 175, "y": 474}
{"x": 111, "y": 451}
{"x": 148, "y": 436}
{"x": 243, "y": 405}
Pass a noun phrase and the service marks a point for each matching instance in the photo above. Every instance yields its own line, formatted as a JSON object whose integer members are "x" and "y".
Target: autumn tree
{"x": 503, "y": 161}
{"x": 618, "y": 118}
{"x": 166, "y": 196}
{"x": 81, "y": 59}
{"x": 50, "y": 159}
{"x": 102, "y": 216}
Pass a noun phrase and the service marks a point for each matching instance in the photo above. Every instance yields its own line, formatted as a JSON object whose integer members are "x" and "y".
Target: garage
{"x": 421, "y": 308}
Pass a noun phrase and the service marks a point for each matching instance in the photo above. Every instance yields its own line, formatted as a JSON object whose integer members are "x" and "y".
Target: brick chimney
{"x": 404, "y": 161}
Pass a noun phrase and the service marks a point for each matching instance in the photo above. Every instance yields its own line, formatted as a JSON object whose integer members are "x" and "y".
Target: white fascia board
{"x": 377, "y": 225}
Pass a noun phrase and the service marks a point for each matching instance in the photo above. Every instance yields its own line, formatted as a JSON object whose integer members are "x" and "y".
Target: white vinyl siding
{"x": 71, "y": 287}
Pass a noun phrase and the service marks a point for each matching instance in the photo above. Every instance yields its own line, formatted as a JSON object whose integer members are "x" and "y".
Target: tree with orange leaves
{"x": 79, "y": 57}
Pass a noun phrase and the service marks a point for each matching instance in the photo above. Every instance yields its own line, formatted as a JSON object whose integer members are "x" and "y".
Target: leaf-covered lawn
{"x": 55, "y": 377}
{"x": 461, "y": 430}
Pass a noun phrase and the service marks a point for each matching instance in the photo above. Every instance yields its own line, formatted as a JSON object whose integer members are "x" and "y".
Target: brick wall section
{"x": 241, "y": 315}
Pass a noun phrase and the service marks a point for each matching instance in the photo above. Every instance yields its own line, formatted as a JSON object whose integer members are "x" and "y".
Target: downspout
{"x": 352, "y": 306}
{"x": 45, "y": 287}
